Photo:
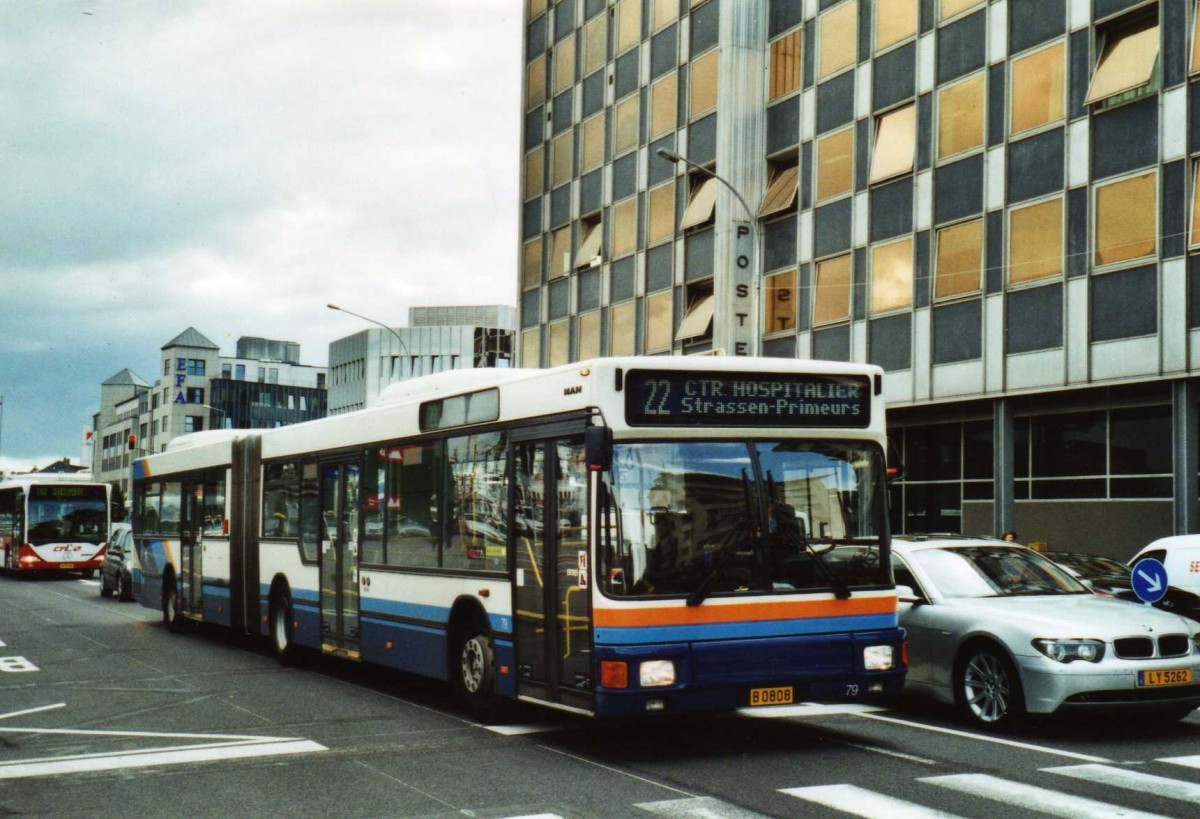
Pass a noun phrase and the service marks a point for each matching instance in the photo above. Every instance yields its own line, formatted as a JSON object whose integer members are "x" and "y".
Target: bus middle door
{"x": 551, "y": 594}
{"x": 191, "y": 552}
{"x": 339, "y": 559}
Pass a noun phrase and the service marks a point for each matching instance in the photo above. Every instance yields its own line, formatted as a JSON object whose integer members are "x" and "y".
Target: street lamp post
{"x": 391, "y": 330}
{"x": 751, "y": 345}
{"x": 224, "y": 414}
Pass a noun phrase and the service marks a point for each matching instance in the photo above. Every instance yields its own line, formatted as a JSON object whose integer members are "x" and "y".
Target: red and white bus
{"x": 615, "y": 537}
{"x": 49, "y": 524}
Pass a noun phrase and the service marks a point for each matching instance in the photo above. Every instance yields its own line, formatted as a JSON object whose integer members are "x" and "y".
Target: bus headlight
{"x": 656, "y": 673}
{"x": 879, "y": 658}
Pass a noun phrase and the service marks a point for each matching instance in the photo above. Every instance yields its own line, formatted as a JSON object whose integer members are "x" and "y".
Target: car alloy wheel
{"x": 989, "y": 688}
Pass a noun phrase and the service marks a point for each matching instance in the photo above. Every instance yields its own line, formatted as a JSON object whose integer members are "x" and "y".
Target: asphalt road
{"x": 104, "y": 713}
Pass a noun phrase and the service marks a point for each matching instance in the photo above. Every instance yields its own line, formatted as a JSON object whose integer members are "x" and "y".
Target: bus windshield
{"x": 78, "y": 520}
{"x": 702, "y": 517}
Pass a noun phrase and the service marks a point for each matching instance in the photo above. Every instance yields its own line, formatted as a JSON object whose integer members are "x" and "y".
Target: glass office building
{"x": 994, "y": 201}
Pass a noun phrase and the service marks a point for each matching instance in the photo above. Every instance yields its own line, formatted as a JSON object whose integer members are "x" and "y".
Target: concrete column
{"x": 1003, "y": 503}
{"x": 1185, "y": 443}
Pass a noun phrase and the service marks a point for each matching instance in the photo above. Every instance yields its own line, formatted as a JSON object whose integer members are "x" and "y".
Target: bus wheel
{"x": 476, "y": 677}
{"x": 172, "y": 610}
{"x": 282, "y": 643}
{"x": 105, "y": 591}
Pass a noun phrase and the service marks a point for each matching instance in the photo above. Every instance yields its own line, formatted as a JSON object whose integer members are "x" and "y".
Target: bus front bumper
{"x": 728, "y": 675}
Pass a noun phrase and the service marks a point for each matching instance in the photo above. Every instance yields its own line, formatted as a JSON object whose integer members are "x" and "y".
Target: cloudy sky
{"x": 234, "y": 166}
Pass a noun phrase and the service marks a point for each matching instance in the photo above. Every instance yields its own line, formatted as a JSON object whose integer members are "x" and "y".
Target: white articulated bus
{"x": 614, "y": 537}
{"x": 50, "y": 524}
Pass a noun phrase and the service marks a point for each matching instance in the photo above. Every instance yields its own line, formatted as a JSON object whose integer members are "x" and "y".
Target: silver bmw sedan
{"x": 999, "y": 631}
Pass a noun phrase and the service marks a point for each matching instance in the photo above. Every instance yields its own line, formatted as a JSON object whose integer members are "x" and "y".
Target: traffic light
{"x": 132, "y": 443}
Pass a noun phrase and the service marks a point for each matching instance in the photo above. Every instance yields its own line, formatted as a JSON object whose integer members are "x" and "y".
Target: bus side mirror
{"x": 598, "y": 448}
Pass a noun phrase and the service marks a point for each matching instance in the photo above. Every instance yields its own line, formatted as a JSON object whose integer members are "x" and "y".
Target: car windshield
{"x": 1091, "y": 566}
{"x": 994, "y": 571}
{"x": 693, "y": 518}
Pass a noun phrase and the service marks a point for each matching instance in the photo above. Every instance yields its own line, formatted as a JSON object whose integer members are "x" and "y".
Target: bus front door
{"x": 191, "y": 554}
{"x": 551, "y": 594}
{"x": 339, "y": 559}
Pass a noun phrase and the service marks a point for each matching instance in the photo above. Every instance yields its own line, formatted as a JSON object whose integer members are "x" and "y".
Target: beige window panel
{"x": 895, "y": 143}
{"x": 782, "y": 192}
{"x": 588, "y": 254}
{"x": 895, "y": 20}
{"x": 1127, "y": 62}
{"x": 698, "y": 319}
{"x": 832, "y": 300}
{"x": 959, "y": 259}
{"x": 702, "y": 205}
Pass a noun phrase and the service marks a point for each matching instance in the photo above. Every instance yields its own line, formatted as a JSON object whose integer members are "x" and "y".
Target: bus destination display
{"x": 675, "y": 398}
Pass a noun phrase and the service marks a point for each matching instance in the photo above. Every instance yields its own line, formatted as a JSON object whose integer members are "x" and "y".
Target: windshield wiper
{"x": 741, "y": 523}
{"x": 797, "y": 535}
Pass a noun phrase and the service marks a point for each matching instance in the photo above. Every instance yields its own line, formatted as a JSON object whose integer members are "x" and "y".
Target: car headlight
{"x": 656, "y": 673}
{"x": 879, "y": 658}
{"x": 1066, "y": 651}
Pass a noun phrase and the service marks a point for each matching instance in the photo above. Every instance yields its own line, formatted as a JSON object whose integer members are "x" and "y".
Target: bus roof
{"x": 568, "y": 388}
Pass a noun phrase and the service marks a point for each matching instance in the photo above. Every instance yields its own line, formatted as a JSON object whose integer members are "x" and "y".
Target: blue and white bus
{"x": 615, "y": 537}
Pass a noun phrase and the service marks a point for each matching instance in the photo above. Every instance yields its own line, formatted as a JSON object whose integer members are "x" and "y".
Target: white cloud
{"x": 234, "y": 167}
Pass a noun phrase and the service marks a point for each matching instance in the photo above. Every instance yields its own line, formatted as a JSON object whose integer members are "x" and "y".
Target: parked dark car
{"x": 116, "y": 570}
{"x": 1113, "y": 578}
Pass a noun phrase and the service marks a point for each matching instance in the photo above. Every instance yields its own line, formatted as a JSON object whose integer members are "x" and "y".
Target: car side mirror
{"x": 907, "y": 595}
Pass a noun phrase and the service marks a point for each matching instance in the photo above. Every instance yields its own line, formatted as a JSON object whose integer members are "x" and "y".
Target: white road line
{"x": 1186, "y": 761}
{"x": 807, "y": 709}
{"x": 154, "y": 757}
{"x": 1132, "y": 780}
{"x": 98, "y": 733}
{"x": 521, "y": 730}
{"x": 862, "y": 802}
{"x": 702, "y": 807}
{"x": 611, "y": 769}
{"x": 1032, "y": 798}
{"x": 37, "y": 710}
{"x": 89, "y": 582}
{"x": 875, "y": 749}
{"x": 985, "y": 738}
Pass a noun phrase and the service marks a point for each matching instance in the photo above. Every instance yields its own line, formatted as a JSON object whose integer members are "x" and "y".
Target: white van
{"x": 1181, "y": 556}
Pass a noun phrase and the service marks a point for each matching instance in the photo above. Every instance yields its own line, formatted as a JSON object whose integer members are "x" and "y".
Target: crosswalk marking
{"x": 1132, "y": 780}
{"x": 1031, "y": 797}
{"x": 1186, "y": 761}
{"x": 701, "y": 807}
{"x": 862, "y": 802}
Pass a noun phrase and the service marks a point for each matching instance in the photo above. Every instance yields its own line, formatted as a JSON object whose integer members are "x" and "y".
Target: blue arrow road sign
{"x": 1149, "y": 579}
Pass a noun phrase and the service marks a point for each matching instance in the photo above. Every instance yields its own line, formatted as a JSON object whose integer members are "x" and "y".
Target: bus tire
{"x": 475, "y": 673}
{"x": 283, "y": 645}
{"x": 105, "y": 591}
{"x": 172, "y": 606}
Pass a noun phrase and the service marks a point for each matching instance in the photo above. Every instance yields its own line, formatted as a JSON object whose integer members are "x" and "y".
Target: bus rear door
{"x": 339, "y": 559}
{"x": 191, "y": 555}
{"x": 551, "y": 603}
